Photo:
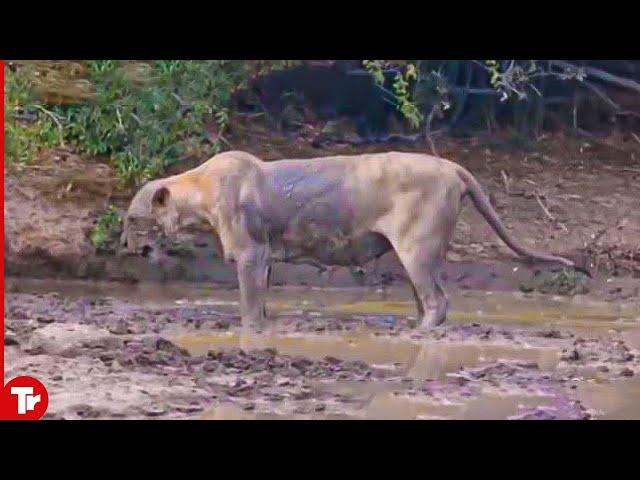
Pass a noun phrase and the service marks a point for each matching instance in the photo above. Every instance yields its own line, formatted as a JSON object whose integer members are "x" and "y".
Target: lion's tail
{"x": 481, "y": 202}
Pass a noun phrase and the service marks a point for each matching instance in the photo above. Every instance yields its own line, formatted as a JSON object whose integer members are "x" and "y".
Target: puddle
{"x": 350, "y": 346}
{"x": 632, "y": 337}
{"x": 612, "y": 400}
{"x": 396, "y": 406}
{"x": 391, "y": 403}
{"x": 466, "y": 306}
{"x": 437, "y": 359}
{"x": 488, "y": 406}
{"x": 513, "y": 308}
{"x": 403, "y": 365}
{"x": 408, "y": 359}
{"x": 417, "y": 359}
{"x": 230, "y": 411}
{"x": 226, "y": 411}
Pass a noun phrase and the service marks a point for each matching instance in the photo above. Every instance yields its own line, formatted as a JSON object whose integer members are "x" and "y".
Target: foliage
{"x": 261, "y": 67}
{"x": 517, "y": 77}
{"x": 105, "y": 231}
{"x": 148, "y": 115}
{"x": 401, "y": 88}
{"x": 563, "y": 282}
{"x": 145, "y": 116}
{"x": 24, "y": 139}
{"x": 516, "y": 93}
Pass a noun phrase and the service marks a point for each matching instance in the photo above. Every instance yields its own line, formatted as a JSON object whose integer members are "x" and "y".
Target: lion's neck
{"x": 189, "y": 197}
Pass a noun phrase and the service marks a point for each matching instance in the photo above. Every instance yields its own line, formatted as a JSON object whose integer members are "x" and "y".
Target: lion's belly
{"x": 333, "y": 249}
{"x": 316, "y": 217}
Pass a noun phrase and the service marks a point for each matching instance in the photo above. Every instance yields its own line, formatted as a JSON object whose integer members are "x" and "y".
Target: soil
{"x": 104, "y": 353}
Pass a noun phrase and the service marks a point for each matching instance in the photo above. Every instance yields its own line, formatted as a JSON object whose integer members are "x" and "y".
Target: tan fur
{"x": 139, "y": 210}
{"x": 261, "y": 212}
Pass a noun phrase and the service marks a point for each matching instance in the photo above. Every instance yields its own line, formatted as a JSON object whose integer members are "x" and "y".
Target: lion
{"x": 336, "y": 210}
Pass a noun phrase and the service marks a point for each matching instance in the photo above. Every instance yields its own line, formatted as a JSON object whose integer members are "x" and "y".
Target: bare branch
{"x": 544, "y": 209}
{"x": 53, "y": 117}
{"x": 601, "y": 75}
{"x": 602, "y": 95}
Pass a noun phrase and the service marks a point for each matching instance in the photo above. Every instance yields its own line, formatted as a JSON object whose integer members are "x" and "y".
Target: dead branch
{"x": 53, "y": 117}
{"x": 543, "y": 207}
{"x": 505, "y": 180}
{"x": 602, "y": 95}
{"x": 427, "y": 129}
{"x": 601, "y": 75}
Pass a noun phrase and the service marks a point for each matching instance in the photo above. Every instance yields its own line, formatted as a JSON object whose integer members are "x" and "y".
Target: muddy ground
{"x": 109, "y": 350}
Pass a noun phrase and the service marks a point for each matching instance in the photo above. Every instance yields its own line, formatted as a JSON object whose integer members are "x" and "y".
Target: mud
{"x": 167, "y": 351}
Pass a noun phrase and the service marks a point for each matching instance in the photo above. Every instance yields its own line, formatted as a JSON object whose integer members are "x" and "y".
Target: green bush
{"x": 144, "y": 116}
{"x": 24, "y": 139}
{"x": 105, "y": 232}
{"x": 147, "y": 116}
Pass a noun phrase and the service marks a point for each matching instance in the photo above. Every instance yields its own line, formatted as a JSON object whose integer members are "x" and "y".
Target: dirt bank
{"x": 577, "y": 198}
{"x": 105, "y": 352}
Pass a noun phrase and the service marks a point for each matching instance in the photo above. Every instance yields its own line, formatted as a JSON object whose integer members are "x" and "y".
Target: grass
{"x": 105, "y": 232}
{"x": 144, "y": 116}
{"x": 27, "y": 129}
{"x": 563, "y": 282}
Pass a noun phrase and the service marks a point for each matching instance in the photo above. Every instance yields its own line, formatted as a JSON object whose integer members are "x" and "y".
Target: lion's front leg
{"x": 253, "y": 273}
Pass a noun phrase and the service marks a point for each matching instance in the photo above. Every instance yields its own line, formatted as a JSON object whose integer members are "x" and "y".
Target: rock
{"x": 154, "y": 410}
{"x": 167, "y": 346}
{"x": 68, "y": 340}
{"x": 191, "y": 408}
{"x": 551, "y": 334}
{"x": 301, "y": 363}
{"x": 574, "y": 355}
{"x": 120, "y": 328}
{"x": 87, "y": 411}
{"x": 45, "y": 320}
{"x": 564, "y": 282}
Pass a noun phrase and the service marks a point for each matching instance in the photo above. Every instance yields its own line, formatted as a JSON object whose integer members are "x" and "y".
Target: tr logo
{"x": 26, "y": 399}
{"x": 23, "y": 398}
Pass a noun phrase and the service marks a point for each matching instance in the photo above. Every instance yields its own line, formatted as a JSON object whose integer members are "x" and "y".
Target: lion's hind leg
{"x": 423, "y": 264}
{"x": 421, "y": 249}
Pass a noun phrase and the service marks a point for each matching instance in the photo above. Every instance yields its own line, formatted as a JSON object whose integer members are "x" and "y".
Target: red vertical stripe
{"x": 2, "y": 203}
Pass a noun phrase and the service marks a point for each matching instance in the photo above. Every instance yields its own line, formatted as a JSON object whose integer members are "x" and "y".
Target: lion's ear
{"x": 161, "y": 197}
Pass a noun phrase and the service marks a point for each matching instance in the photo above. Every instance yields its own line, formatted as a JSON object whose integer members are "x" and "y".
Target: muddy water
{"x": 414, "y": 360}
{"x": 466, "y": 306}
{"x": 616, "y": 400}
{"x": 435, "y": 375}
{"x": 422, "y": 359}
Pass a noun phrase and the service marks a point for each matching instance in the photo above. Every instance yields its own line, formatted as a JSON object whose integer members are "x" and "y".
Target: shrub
{"x": 105, "y": 232}
{"x": 144, "y": 116}
{"x": 147, "y": 116}
{"x": 27, "y": 128}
